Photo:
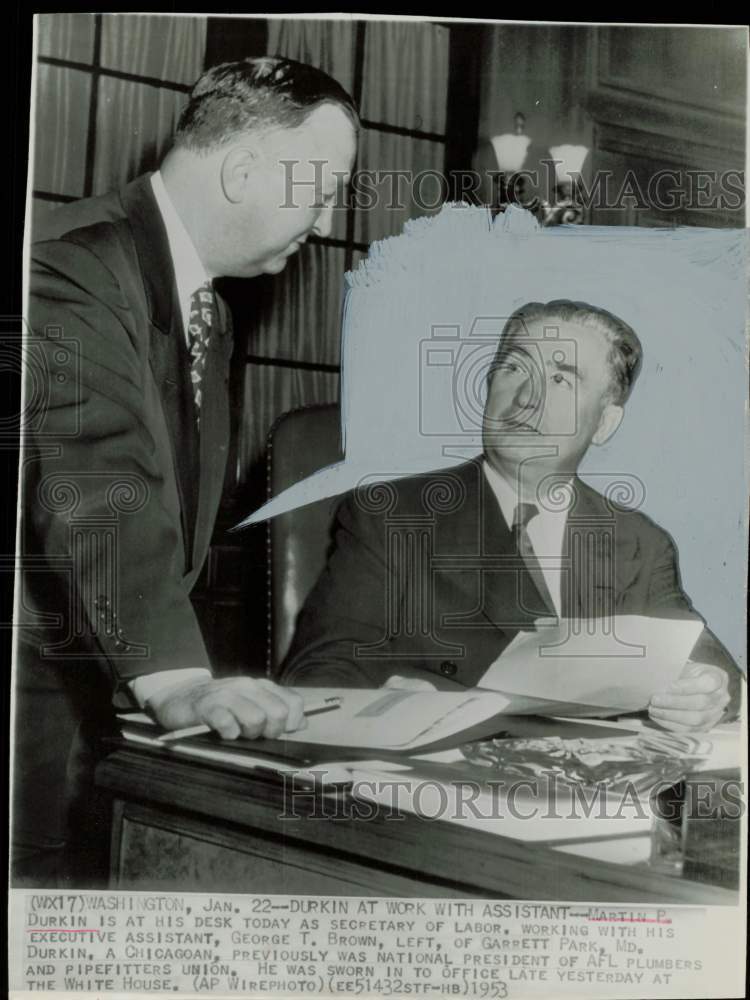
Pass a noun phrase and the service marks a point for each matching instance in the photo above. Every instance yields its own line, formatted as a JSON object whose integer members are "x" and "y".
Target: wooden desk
{"x": 187, "y": 826}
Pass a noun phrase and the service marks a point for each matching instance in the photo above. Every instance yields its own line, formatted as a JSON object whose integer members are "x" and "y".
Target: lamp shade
{"x": 510, "y": 151}
{"x": 569, "y": 161}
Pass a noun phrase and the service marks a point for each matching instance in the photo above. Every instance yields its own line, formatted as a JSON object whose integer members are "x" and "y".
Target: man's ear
{"x": 235, "y": 172}
{"x": 609, "y": 421}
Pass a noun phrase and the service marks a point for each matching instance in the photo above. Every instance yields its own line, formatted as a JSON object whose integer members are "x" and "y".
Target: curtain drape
{"x": 60, "y": 130}
{"x": 167, "y": 48}
{"x": 406, "y": 75}
{"x": 329, "y": 45}
{"x": 66, "y": 36}
{"x": 145, "y": 118}
{"x": 135, "y": 119}
{"x": 420, "y": 190}
{"x": 405, "y": 85}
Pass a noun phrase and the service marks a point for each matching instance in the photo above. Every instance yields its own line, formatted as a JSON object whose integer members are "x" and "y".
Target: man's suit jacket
{"x": 424, "y": 581}
{"x": 120, "y": 490}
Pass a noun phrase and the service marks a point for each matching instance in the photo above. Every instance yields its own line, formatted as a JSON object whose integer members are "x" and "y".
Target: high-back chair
{"x": 299, "y": 443}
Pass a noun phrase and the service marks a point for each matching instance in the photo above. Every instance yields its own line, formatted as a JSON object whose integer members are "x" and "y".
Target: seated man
{"x": 432, "y": 576}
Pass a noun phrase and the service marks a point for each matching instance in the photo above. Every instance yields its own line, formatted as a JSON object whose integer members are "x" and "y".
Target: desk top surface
{"x": 471, "y": 861}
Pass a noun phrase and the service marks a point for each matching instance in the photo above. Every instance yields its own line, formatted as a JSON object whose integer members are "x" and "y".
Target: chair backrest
{"x": 299, "y": 443}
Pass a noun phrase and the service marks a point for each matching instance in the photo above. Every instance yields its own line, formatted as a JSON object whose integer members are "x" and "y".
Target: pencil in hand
{"x": 313, "y": 708}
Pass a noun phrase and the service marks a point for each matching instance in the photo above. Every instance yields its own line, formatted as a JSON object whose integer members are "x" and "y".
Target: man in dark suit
{"x": 432, "y": 576}
{"x": 126, "y": 393}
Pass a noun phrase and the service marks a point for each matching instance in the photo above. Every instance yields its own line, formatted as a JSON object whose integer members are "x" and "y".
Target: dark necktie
{"x": 202, "y": 310}
{"x": 523, "y": 513}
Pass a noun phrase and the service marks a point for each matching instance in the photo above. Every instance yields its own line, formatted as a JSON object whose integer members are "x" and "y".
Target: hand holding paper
{"x": 696, "y": 700}
{"x": 597, "y": 666}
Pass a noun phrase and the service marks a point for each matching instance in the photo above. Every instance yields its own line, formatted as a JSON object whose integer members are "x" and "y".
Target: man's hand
{"x": 696, "y": 700}
{"x": 235, "y": 706}
{"x": 400, "y": 683}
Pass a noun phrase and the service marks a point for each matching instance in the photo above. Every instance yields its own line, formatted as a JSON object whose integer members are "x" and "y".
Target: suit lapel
{"x": 168, "y": 354}
{"x": 602, "y": 557}
{"x": 494, "y": 577}
{"x": 169, "y": 361}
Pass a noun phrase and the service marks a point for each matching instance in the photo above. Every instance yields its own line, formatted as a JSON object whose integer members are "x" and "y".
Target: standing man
{"x": 126, "y": 392}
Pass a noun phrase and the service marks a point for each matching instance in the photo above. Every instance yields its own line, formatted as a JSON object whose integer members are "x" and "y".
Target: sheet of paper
{"x": 394, "y": 719}
{"x": 615, "y": 664}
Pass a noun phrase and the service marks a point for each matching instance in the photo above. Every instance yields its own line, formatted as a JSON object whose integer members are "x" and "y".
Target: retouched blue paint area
{"x": 422, "y": 318}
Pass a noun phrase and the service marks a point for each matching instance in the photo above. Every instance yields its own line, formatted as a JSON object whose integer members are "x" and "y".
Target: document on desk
{"x": 389, "y": 719}
{"x": 607, "y": 664}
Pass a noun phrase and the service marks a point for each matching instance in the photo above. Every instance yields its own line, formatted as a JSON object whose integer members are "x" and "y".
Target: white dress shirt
{"x": 189, "y": 271}
{"x": 190, "y": 274}
{"x": 546, "y": 531}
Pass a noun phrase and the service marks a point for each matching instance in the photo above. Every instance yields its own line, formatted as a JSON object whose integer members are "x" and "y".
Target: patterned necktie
{"x": 202, "y": 309}
{"x": 523, "y": 513}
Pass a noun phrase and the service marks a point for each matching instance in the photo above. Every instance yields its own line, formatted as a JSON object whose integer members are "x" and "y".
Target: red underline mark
{"x": 627, "y": 920}
{"x": 64, "y": 930}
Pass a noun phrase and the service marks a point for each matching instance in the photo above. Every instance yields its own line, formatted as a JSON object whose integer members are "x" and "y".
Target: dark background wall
{"x": 642, "y": 99}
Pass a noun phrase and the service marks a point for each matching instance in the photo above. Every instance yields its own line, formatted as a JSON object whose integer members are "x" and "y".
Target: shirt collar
{"x": 189, "y": 271}
{"x": 505, "y": 494}
{"x": 554, "y": 519}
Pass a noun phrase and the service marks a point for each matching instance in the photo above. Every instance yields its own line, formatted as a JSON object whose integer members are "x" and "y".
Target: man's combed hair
{"x": 625, "y": 354}
{"x": 256, "y": 94}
